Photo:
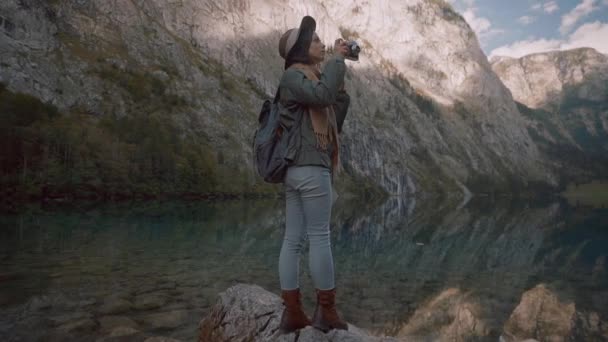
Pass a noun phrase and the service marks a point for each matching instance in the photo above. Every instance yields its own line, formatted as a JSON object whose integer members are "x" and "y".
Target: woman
{"x": 318, "y": 100}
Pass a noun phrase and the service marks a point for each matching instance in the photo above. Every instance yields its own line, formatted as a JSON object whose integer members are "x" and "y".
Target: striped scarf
{"x": 323, "y": 119}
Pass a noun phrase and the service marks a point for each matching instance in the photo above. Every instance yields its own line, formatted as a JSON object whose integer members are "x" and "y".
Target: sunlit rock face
{"x": 427, "y": 112}
{"x": 450, "y": 316}
{"x": 543, "y": 315}
{"x": 401, "y": 39}
{"x": 544, "y": 80}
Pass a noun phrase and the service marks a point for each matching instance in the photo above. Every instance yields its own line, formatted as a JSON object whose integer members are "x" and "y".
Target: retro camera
{"x": 353, "y": 50}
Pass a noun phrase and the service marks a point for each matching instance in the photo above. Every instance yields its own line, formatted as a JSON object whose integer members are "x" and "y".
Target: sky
{"x": 520, "y": 27}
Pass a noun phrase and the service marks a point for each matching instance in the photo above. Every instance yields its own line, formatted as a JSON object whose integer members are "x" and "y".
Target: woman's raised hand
{"x": 341, "y": 47}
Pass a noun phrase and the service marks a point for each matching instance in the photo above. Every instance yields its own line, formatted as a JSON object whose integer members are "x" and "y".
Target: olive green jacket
{"x": 297, "y": 93}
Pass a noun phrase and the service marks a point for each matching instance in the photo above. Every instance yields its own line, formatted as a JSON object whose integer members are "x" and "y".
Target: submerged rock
{"x": 248, "y": 312}
{"x": 110, "y": 323}
{"x": 115, "y": 306}
{"x": 161, "y": 339}
{"x": 166, "y": 320}
{"x": 123, "y": 331}
{"x": 81, "y": 325}
{"x": 150, "y": 301}
{"x": 70, "y": 317}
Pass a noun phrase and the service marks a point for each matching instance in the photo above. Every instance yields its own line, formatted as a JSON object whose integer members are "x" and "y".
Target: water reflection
{"x": 159, "y": 266}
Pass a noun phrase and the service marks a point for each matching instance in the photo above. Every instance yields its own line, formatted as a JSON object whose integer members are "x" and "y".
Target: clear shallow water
{"x": 159, "y": 266}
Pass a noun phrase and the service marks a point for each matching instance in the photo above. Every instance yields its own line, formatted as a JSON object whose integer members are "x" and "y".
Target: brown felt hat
{"x": 296, "y": 41}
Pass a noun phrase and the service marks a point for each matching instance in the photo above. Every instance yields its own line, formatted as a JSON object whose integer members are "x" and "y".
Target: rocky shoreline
{"x": 250, "y": 313}
{"x": 245, "y": 312}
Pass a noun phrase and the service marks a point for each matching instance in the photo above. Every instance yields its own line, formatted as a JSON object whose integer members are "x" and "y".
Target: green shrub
{"x": 45, "y": 153}
{"x": 22, "y": 109}
{"x": 141, "y": 86}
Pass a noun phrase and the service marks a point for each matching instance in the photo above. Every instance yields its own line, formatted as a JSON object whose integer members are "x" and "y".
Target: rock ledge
{"x": 250, "y": 313}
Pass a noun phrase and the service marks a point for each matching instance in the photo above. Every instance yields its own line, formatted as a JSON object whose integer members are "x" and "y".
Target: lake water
{"x": 71, "y": 273}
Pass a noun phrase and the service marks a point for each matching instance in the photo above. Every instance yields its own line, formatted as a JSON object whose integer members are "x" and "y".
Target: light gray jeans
{"x": 309, "y": 198}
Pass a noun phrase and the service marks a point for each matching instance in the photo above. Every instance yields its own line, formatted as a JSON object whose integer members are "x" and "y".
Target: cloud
{"x": 552, "y": 6}
{"x": 548, "y": 7}
{"x": 526, "y": 47}
{"x": 581, "y": 10}
{"x": 587, "y": 35}
{"x": 526, "y": 20}
{"x": 467, "y": 3}
{"x": 481, "y": 26}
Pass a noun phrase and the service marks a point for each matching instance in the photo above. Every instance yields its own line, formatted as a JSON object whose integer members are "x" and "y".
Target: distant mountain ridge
{"x": 566, "y": 93}
{"x": 545, "y": 80}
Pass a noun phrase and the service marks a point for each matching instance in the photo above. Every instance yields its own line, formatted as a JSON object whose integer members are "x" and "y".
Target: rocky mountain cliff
{"x": 564, "y": 95}
{"x": 547, "y": 80}
{"x": 426, "y": 113}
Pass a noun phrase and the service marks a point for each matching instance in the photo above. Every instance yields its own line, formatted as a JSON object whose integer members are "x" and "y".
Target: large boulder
{"x": 452, "y": 316}
{"x": 250, "y": 313}
{"x": 544, "y": 316}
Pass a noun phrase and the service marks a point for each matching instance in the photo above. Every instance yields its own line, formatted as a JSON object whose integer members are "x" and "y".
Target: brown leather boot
{"x": 326, "y": 317}
{"x": 293, "y": 317}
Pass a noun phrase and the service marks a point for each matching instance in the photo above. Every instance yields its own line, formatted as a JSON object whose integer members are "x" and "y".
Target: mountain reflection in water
{"x": 428, "y": 269}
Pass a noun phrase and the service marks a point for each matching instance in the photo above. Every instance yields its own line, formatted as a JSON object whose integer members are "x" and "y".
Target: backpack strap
{"x": 277, "y": 96}
{"x": 293, "y": 66}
